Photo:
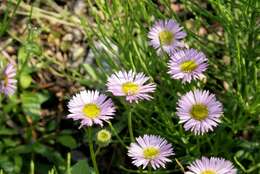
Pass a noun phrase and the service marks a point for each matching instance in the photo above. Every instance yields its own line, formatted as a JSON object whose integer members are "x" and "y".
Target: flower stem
{"x": 97, "y": 151}
{"x": 91, "y": 149}
{"x": 68, "y": 163}
{"x": 180, "y": 165}
{"x": 117, "y": 136}
{"x": 130, "y": 127}
{"x": 149, "y": 169}
{"x": 32, "y": 167}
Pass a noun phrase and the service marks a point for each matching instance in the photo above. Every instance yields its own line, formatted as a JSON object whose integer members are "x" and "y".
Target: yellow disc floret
{"x": 150, "y": 152}
{"x": 208, "y": 172}
{"x": 130, "y": 88}
{"x": 91, "y": 110}
{"x": 188, "y": 66}
{"x": 199, "y": 111}
{"x": 4, "y": 80}
{"x": 166, "y": 37}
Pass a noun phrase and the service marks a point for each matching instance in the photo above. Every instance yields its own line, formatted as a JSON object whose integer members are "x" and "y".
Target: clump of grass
{"x": 123, "y": 26}
{"x": 116, "y": 32}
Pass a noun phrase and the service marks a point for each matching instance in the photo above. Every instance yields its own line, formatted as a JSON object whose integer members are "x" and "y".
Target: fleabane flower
{"x": 130, "y": 84}
{"x": 166, "y": 35}
{"x": 8, "y": 81}
{"x": 212, "y": 165}
{"x": 90, "y": 107}
{"x": 150, "y": 150}
{"x": 199, "y": 111}
{"x": 187, "y": 65}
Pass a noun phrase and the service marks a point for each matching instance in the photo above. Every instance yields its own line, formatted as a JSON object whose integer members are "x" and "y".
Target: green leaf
{"x": 48, "y": 153}
{"x": 6, "y": 131}
{"x": 18, "y": 164}
{"x": 34, "y": 48}
{"x": 26, "y": 51}
{"x": 91, "y": 72}
{"x": 8, "y": 142}
{"x": 20, "y": 149}
{"x": 68, "y": 141}
{"x": 81, "y": 167}
{"x": 25, "y": 80}
{"x": 31, "y": 103}
{"x": 22, "y": 55}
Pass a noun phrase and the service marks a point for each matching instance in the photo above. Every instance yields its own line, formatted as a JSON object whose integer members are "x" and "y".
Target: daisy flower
{"x": 166, "y": 36}
{"x": 90, "y": 107}
{"x": 199, "y": 111}
{"x": 211, "y": 165}
{"x": 150, "y": 150}
{"x": 8, "y": 81}
{"x": 187, "y": 65}
{"x": 130, "y": 84}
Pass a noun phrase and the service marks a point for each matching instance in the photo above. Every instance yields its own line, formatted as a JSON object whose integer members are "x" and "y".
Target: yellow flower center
{"x": 150, "y": 152}
{"x": 130, "y": 88}
{"x": 199, "y": 111}
{"x": 166, "y": 37}
{"x": 188, "y": 66}
{"x": 208, "y": 172}
{"x": 91, "y": 110}
{"x": 5, "y": 81}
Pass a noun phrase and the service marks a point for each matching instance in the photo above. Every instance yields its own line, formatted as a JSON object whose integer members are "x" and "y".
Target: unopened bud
{"x": 103, "y": 137}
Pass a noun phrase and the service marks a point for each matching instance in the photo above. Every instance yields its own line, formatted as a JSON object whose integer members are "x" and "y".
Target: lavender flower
{"x": 150, "y": 150}
{"x": 131, "y": 85}
{"x": 187, "y": 65}
{"x": 8, "y": 81}
{"x": 199, "y": 111}
{"x": 211, "y": 165}
{"x": 166, "y": 36}
{"x": 91, "y": 107}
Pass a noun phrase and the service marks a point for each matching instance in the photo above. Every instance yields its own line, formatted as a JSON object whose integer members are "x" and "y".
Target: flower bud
{"x": 103, "y": 137}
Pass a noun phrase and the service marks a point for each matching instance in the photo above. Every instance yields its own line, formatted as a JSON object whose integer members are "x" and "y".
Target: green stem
{"x": 180, "y": 165}
{"x": 117, "y": 136}
{"x": 97, "y": 151}
{"x": 149, "y": 169}
{"x": 68, "y": 163}
{"x": 128, "y": 170}
{"x": 91, "y": 149}
{"x": 1, "y": 99}
{"x": 32, "y": 167}
{"x": 130, "y": 127}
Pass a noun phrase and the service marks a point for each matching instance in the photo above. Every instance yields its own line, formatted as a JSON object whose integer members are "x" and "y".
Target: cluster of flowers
{"x": 8, "y": 81}
{"x": 198, "y": 110}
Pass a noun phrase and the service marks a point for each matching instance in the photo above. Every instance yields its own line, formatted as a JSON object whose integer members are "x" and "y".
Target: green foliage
{"x": 81, "y": 167}
{"x": 122, "y": 25}
{"x": 5, "y": 21}
{"x": 68, "y": 141}
{"x": 116, "y": 32}
{"x": 31, "y": 104}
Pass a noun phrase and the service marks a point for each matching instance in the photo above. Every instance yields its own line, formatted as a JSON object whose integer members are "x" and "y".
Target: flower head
{"x": 199, "y": 111}
{"x": 91, "y": 107}
{"x": 150, "y": 150}
{"x": 166, "y": 36}
{"x": 187, "y": 65}
{"x": 8, "y": 81}
{"x": 130, "y": 84}
{"x": 211, "y": 165}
